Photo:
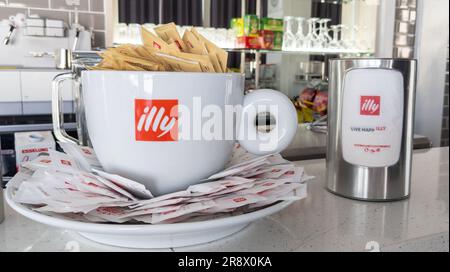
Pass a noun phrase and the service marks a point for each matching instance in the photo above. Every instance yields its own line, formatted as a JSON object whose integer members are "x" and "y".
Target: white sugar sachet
{"x": 85, "y": 156}
{"x": 231, "y": 202}
{"x": 135, "y": 188}
{"x": 78, "y": 191}
{"x": 55, "y": 160}
{"x": 215, "y": 186}
{"x": 110, "y": 214}
{"x": 184, "y": 210}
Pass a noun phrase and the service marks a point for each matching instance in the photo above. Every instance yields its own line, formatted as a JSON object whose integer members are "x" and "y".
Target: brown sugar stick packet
{"x": 172, "y": 48}
{"x": 129, "y": 67}
{"x": 148, "y": 53}
{"x": 179, "y": 64}
{"x": 169, "y": 32}
{"x": 195, "y": 46}
{"x": 127, "y": 49}
{"x": 151, "y": 40}
{"x": 107, "y": 63}
{"x": 221, "y": 54}
{"x": 203, "y": 60}
{"x": 138, "y": 62}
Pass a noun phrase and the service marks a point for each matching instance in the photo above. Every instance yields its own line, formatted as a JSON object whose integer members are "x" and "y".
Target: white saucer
{"x": 150, "y": 236}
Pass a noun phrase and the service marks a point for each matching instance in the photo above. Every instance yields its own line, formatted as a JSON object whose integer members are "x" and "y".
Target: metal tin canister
{"x": 370, "y": 128}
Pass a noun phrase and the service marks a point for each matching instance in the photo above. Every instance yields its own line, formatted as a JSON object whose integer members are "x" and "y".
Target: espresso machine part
{"x": 2, "y": 209}
{"x": 63, "y": 59}
{"x": 79, "y": 61}
{"x": 370, "y": 128}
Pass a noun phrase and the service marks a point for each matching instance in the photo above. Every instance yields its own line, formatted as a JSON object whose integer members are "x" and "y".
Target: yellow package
{"x": 168, "y": 33}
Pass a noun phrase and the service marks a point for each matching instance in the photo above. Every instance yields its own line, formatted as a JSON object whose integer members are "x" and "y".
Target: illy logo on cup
{"x": 156, "y": 120}
{"x": 370, "y": 105}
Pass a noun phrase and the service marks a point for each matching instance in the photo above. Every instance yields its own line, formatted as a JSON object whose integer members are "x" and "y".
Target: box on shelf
{"x": 29, "y": 145}
{"x": 267, "y": 39}
{"x": 278, "y": 40}
{"x": 34, "y": 31}
{"x": 54, "y": 32}
{"x": 249, "y": 42}
{"x": 35, "y": 22}
{"x": 237, "y": 24}
{"x": 54, "y": 23}
{"x": 251, "y": 25}
{"x": 271, "y": 24}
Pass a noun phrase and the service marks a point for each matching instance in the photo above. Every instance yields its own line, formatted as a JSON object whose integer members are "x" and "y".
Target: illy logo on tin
{"x": 156, "y": 120}
{"x": 370, "y": 105}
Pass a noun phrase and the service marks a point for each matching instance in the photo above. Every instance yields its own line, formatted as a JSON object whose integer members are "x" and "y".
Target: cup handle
{"x": 280, "y": 136}
{"x": 57, "y": 113}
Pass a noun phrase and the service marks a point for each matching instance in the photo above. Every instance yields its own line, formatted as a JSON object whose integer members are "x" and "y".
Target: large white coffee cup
{"x": 129, "y": 138}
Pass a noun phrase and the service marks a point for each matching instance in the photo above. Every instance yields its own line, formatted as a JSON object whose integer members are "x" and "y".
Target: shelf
{"x": 322, "y": 52}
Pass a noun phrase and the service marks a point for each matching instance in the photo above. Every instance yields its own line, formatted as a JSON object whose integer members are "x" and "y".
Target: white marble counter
{"x": 322, "y": 222}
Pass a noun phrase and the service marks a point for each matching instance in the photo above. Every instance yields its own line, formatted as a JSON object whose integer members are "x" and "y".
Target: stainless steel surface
{"x": 80, "y": 61}
{"x": 364, "y": 183}
{"x": 33, "y": 127}
{"x": 57, "y": 114}
{"x": 2, "y": 209}
{"x": 319, "y": 126}
{"x": 63, "y": 59}
{"x": 7, "y": 39}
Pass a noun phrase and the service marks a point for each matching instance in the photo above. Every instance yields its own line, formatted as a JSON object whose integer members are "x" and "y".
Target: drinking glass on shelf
{"x": 335, "y": 42}
{"x": 310, "y": 38}
{"x": 201, "y": 30}
{"x": 363, "y": 44}
{"x": 221, "y": 36}
{"x": 231, "y": 38}
{"x": 354, "y": 38}
{"x": 346, "y": 38}
{"x": 288, "y": 36}
{"x": 211, "y": 34}
{"x": 134, "y": 34}
{"x": 121, "y": 34}
{"x": 324, "y": 32}
{"x": 299, "y": 36}
{"x": 149, "y": 27}
{"x": 320, "y": 41}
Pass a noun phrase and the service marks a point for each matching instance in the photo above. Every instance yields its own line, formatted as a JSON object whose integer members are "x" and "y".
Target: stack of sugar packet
{"x": 163, "y": 49}
{"x": 73, "y": 185}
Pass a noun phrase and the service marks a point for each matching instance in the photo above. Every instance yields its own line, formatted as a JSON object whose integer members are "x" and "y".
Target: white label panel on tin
{"x": 372, "y": 117}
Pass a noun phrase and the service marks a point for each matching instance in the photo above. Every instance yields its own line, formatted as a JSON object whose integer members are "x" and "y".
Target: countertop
{"x": 321, "y": 222}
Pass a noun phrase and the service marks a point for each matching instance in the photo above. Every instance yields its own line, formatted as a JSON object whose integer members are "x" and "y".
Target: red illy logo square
{"x": 156, "y": 120}
{"x": 370, "y": 105}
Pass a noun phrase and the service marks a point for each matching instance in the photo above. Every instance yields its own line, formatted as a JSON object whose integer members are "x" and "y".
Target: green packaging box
{"x": 278, "y": 40}
{"x": 271, "y": 24}
{"x": 251, "y": 25}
